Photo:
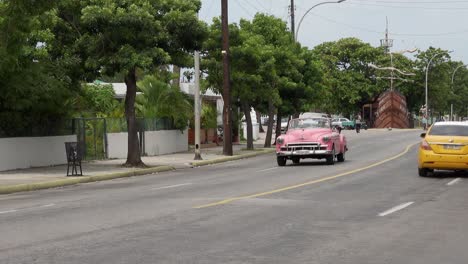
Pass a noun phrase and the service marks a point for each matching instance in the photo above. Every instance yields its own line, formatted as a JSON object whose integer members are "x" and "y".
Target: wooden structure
{"x": 390, "y": 110}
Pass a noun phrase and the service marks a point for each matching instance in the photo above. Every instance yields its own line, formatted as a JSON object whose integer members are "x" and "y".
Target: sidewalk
{"x": 55, "y": 176}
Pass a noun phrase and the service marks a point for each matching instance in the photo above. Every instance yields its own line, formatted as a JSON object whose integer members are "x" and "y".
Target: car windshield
{"x": 309, "y": 123}
{"x": 449, "y": 130}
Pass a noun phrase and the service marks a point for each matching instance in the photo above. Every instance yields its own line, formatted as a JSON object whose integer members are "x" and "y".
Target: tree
{"x": 35, "y": 90}
{"x": 459, "y": 92}
{"x": 281, "y": 88}
{"x": 348, "y": 76}
{"x": 112, "y": 37}
{"x": 211, "y": 63}
{"x": 162, "y": 99}
{"x": 439, "y": 80}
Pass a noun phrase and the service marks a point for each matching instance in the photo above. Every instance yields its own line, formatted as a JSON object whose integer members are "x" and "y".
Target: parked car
{"x": 310, "y": 138}
{"x": 444, "y": 147}
{"x": 338, "y": 122}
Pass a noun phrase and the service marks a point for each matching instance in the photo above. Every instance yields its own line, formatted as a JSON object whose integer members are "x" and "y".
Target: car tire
{"x": 296, "y": 160}
{"x": 331, "y": 157}
{"x": 341, "y": 157}
{"x": 281, "y": 161}
{"x": 423, "y": 172}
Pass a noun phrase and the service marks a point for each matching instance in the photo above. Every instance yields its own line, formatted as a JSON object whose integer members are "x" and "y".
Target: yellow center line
{"x": 230, "y": 200}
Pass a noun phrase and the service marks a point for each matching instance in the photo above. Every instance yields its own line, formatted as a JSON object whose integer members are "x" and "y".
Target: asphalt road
{"x": 373, "y": 208}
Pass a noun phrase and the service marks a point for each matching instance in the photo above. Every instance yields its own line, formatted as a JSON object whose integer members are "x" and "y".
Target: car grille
{"x": 304, "y": 146}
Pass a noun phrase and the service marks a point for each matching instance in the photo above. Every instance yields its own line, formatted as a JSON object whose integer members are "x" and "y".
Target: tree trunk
{"x": 278, "y": 125}
{"x": 271, "y": 113}
{"x": 248, "y": 121}
{"x": 133, "y": 153}
{"x": 176, "y": 72}
{"x": 259, "y": 121}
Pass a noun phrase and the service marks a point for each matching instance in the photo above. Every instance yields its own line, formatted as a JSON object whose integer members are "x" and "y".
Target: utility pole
{"x": 293, "y": 23}
{"x": 386, "y": 43}
{"x": 227, "y": 141}
{"x": 197, "y": 106}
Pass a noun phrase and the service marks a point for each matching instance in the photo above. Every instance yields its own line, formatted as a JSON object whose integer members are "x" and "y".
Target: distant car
{"x": 266, "y": 119}
{"x": 444, "y": 147}
{"x": 338, "y": 122}
{"x": 284, "y": 124}
{"x": 313, "y": 115}
{"x": 310, "y": 138}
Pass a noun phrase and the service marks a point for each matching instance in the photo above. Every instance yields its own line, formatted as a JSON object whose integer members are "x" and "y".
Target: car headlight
{"x": 280, "y": 140}
{"x": 325, "y": 139}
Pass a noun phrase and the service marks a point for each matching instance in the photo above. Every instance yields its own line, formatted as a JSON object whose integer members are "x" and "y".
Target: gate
{"x": 92, "y": 137}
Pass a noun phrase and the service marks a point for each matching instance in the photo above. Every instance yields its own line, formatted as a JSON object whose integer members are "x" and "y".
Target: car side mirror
{"x": 423, "y": 135}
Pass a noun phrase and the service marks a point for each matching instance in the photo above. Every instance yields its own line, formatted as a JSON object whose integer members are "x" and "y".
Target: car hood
{"x": 306, "y": 135}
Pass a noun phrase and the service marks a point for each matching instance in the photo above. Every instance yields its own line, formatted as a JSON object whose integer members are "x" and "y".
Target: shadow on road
{"x": 448, "y": 174}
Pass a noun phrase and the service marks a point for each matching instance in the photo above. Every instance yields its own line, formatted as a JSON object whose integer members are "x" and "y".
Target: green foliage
{"x": 98, "y": 100}
{"x": 112, "y": 37}
{"x": 266, "y": 65}
{"x": 35, "y": 90}
{"x": 160, "y": 99}
{"x": 208, "y": 116}
{"x": 348, "y": 76}
{"x": 439, "y": 80}
{"x": 124, "y": 37}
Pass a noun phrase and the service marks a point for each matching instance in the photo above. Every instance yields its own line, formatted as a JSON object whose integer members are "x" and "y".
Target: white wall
{"x": 117, "y": 145}
{"x": 255, "y": 130}
{"x": 165, "y": 142}
{"x": 156, "y": 143}
{"x": 27, "y": 152}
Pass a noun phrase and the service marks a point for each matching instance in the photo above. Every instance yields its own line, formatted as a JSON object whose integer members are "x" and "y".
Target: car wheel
{"x": 331, "y": 158}
{"x": 341, "y": 156}
{"x": 296, "y": 160}
{"x": 281, "y": 161}
{"x": 423, "y": 172}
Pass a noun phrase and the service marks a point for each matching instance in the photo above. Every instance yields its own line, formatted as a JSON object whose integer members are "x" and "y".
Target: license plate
{"x": 302, "y": 152}
{"x": 453, "y": 147}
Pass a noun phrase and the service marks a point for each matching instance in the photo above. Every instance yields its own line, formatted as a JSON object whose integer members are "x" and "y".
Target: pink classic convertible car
{"x": 310, "y": 138}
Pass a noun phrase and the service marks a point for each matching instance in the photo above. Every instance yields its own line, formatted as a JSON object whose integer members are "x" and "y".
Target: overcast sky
{"x": 412, "y": 23}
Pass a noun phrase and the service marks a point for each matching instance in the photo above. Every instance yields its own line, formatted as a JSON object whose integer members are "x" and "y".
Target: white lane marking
{"x": 274, "y": 168}
{"x": 171, "y": 186}
{"x": 396, "y": 209}
{"x": 8, "y": 211}
{"x": 453, "y": 182}
{"x": 47, "y": 205}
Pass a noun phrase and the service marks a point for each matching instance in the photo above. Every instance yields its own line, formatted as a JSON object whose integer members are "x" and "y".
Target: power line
{"x": 210, "y": 6}
{"x": 407, "y": 7}
{"x": 243, "y": 8}
{"x": 394, "y": 34}
{"x": 253, "y": 6}
{"x": 414, "y": 2}
{"x": 264, "y": 8}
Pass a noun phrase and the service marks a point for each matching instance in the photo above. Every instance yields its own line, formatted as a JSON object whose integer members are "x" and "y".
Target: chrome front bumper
{"x": 304, "y": 153}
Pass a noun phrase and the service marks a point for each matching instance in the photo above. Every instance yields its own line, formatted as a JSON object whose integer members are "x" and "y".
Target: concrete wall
{"x": 27, "y": 152}
{"x": 117, "y": 145}
{"x": 165, "y": 142}
{"x": 255, "y": 130}
{"x": 156, "y": 143}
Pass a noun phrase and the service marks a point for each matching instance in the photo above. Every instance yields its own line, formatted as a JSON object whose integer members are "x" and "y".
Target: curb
{"x": 232, "y": 158}
{"x": 103, "y": 177}
{"x": 81, "y": 179}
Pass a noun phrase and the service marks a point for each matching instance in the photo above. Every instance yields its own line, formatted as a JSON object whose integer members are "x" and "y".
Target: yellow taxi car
{"x": 444, "y": 147}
